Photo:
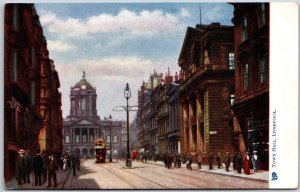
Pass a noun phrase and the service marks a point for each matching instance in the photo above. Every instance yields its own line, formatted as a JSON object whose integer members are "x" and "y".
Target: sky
{"x": 116, "y": 43}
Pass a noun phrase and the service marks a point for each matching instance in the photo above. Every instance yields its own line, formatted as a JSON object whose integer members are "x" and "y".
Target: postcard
{"x": 150, "y": 95}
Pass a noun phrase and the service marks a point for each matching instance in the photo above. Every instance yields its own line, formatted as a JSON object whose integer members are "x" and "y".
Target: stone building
{"x": 207, "y": 62}
{"x": 251, "y": 105}
{"x": 32, "y": 102}
{"x": 83, "y": 125}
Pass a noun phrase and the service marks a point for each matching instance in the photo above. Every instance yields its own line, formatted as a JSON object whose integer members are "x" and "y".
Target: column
{"x": 88, "y": 135}
{"x": 80, "y": 136}
{"x": 190, "y": 125}
{"x": 198, "y": 146}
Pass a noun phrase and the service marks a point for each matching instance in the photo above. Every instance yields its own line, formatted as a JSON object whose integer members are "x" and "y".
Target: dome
{"x": 83, "y": 84}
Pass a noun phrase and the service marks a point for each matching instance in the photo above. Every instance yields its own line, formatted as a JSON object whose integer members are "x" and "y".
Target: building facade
{"x": 207, "y": 66}
{"x": 32, "y": 102}
{"x": 251, "y": 106}
{"x": 83, "y": 126}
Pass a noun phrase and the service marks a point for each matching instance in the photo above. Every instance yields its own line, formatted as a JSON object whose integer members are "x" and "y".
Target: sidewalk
{"x": 261, "y": 175}
{"x": 61, "y": 177}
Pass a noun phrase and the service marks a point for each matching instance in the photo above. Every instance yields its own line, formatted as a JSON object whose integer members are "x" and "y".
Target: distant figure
{"x": 189, "y": 162}
{"x": 255, "y": 161}
{"x": 210, "y": 160}
{"x": 65, "y": 161}
{"x": 53, "y": 169}
{"x": 234, "y": 160}
{"x": 20, "y": 167}
{"x": 38, "y": 168}
{"x": 74, "y": 165}
{"x": 239, "y": 162}
{"x": 247, "y": 163}
{"x": 199, "y": 160}
{"x": 78, "y": 163}
{"x": 27, "y": 166}
{"x": 45, "y": 159}
{"x": 218, "y": 159}
{"x": 227, "y": 161}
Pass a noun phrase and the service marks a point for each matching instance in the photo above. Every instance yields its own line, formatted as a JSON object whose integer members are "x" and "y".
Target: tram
{"x": 100, "y": 150}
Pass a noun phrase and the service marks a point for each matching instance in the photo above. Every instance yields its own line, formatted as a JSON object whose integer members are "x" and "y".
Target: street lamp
{"x": 110, "y": 146}
{"x": 127, "y": 95}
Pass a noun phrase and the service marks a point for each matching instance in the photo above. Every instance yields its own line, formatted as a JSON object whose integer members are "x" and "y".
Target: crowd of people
{"x": 44, "y": 166}
{"x": 239, "y": 161}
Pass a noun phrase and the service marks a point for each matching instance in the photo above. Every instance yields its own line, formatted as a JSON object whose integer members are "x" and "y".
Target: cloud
{"x": 59, "y": 46}
{"x": 184, "y": 13}
{"x": 141, "y": 23}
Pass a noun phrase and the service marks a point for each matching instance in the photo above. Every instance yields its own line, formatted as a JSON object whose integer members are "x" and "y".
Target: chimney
{"x": 176, "y": 76}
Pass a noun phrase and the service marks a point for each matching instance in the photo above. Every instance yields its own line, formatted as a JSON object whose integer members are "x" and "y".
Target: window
{"x": 232, "y": 97}
{"x": 246, "y": 77}
{"x": 67, "y": 139}
{"x": 83, "y": 104}
{"x": 263, "y": 69}
{"x": 262, "y": 15}
{"x": 231, "y": 61}
{"x": 84, "y": 139}
{"x": 32, "y": 56}
{"x": 244, "y": 29}
{"x": 115, "y": 139}
{"x": 115, "y": 152}
{"x": 91, "y": 138}
{"x": 16, "y": 17}
{"x": 32, "y": 93}
{"x": 77, "y": 139}
{"x": 108, "y": 139}
{"x": 14, "y": 66}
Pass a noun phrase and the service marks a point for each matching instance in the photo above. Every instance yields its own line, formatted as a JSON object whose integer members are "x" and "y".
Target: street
{"x": 150, "y": 176}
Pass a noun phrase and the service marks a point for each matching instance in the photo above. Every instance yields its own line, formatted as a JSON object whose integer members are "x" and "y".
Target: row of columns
{"x": 96, "y": 132}
{"x": 193, "y": 117}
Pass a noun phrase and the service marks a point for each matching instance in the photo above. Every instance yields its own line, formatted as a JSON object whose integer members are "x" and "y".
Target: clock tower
{"x": 83, "y": 99}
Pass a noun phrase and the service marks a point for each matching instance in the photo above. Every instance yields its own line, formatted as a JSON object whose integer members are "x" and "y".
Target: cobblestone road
{"x": 149, "y": 176}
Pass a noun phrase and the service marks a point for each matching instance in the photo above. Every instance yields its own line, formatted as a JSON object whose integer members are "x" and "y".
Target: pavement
{"x": 61, "y": 177}
{"x": 260, "y": 175}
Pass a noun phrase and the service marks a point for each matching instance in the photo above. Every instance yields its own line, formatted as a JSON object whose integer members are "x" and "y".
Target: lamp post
{"x": 110, "y": 146}
{"x": 127, "y": 95}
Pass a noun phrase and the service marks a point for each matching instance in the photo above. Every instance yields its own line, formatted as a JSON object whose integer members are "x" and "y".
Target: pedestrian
{"x": 146, "y": 157}
{"x": 210, "y": 160}
{"x": 65, "y": 166}
{"x": 199, "y": 160}
{"x": 247, "y": 163}
{"x": 234, "y": 160}
{"x": 38, "y": 168}
{"x": 78, "y": 162}
{"x": 239, "y": 162}
{"x": 45, "y": 160}
{"x": 189, "y": 162}
{"x": 255, "y": 161}
{"x": 27, "y": 160}
{"x": 218, "y": 159}
{"x": 53, "y": 169}
{"x": 74, "y": 165}
{"x": 19, "y": 167}
{"x": 227, "y": 161}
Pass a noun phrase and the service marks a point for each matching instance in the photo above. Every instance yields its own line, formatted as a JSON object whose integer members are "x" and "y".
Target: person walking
{"x": 45, "y": 160}
{"x": 199, "y": 160}
{"x": 38, "y": 168}
{"x": 239, "y": 162}
{"x": 20, "y": 167}
{"x": 65, "y": 166}
{"x": 189, "y": 162}
{"x": 78, "y": 162}
{"x": 247, "y": 163}
{"x": 218, "y": 159}
{"x": 53, "y": 169}
{"x": 27, "y": 166}
{"x": 74, "y": 165}
{"x": 227, "y": 161}
{"x": 254, "y": 160}
{"x": 210, "y": 160}
{"x": 234, "y": 160}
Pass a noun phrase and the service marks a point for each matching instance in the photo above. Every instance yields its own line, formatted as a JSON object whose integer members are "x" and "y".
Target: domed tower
{"x": 83, "y": 99}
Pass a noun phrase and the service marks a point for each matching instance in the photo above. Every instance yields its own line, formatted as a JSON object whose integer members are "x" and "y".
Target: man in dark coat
{"x": 210, "y": 160}
{"x": 234, "y": 160}
{"x": 78, "y": 163}
{"x": 20, "y": 167}
{"x": 239, "y": 162}
{"x": 27, "y": 160}
{"x": 74, "y": 165}
{"x": 38, "y": 168}
{"x": 53, "y": 169}
{"x": 45, "y": 159}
